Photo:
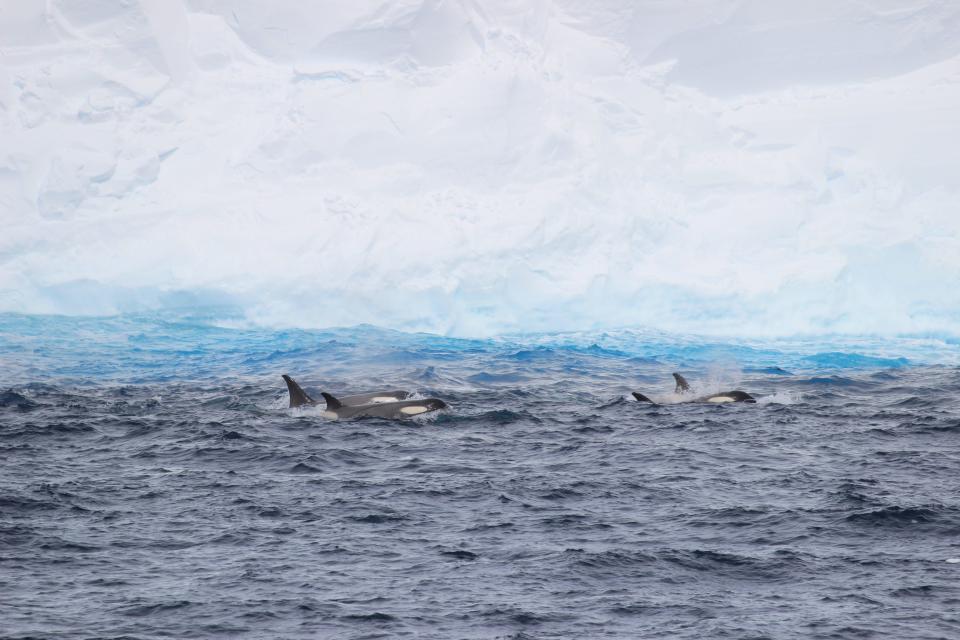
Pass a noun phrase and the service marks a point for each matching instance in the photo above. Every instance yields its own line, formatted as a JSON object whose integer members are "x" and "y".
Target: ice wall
{"x": 466, "y": 167}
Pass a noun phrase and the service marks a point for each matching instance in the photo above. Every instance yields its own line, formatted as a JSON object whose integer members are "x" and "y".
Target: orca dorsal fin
{"x": 682, "y": 385}
{"x": 298, "y": 397}
{"x": 332, "y": 403}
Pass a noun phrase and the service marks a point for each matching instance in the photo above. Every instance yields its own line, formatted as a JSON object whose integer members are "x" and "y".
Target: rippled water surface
{"x": 154, "y": 485}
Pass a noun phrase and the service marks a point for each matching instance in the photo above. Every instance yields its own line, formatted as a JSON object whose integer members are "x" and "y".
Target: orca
{"x": 379, "y": 404}
{"x": 714, "y": 398}
{"x": 299, "y": 397}
{"x": 336, "y": 410}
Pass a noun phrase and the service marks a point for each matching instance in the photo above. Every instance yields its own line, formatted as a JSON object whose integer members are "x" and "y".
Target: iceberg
{"x": 727, "y": 167}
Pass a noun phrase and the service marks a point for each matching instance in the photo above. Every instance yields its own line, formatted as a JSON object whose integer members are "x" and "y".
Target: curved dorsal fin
{"x": 298, "y": 397}
{"x": 332, "y": 403}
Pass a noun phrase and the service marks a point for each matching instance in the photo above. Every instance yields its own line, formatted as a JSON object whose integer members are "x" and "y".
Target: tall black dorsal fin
{"x": 332, "y": 403}
{"x": 298, "y": 397}
{"x": 682, "y": 385}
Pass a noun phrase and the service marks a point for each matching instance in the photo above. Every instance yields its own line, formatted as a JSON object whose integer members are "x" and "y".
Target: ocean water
{"x": 154, "y": 484}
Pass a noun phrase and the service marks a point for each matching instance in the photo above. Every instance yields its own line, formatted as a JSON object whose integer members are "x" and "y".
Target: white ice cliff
{"x": 471, "y": 167}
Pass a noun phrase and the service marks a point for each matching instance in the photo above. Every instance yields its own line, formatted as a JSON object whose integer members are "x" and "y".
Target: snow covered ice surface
{"x": 740, "y": 167}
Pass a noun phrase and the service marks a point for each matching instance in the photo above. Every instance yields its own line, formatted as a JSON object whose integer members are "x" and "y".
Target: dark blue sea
{"x": 154, "y": 484}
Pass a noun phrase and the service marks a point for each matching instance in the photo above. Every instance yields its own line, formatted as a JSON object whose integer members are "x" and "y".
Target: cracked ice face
{"x": 742, "y": 168}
